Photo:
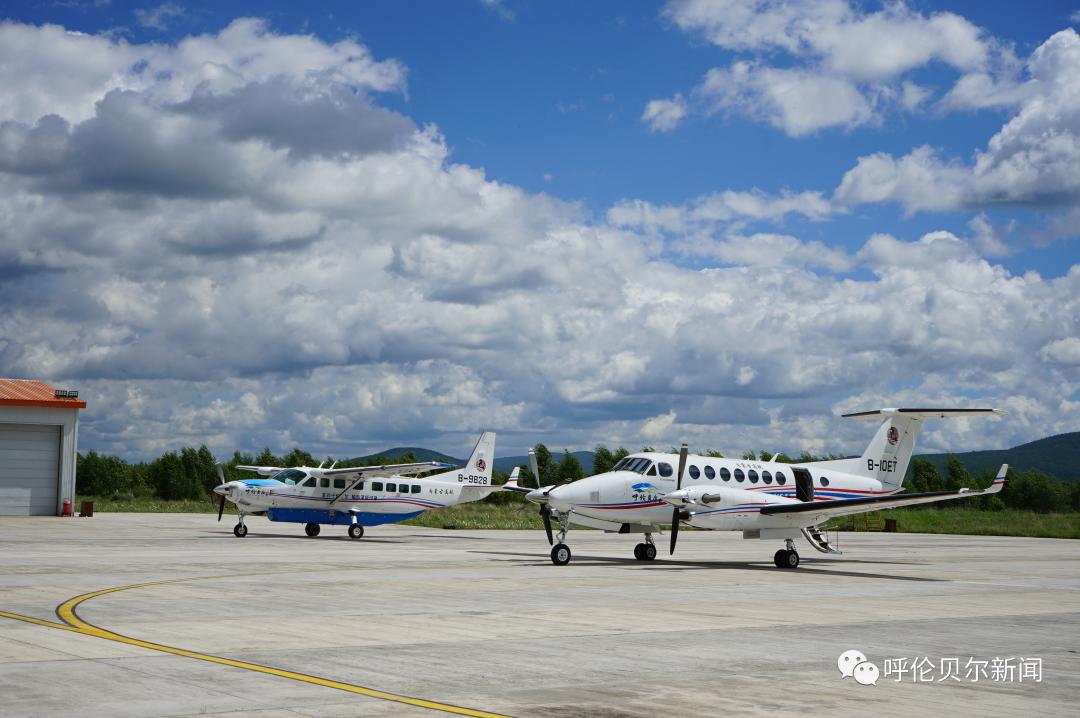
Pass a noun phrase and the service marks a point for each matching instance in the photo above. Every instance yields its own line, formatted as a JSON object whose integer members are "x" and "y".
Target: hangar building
{"x": 39, "y": 431}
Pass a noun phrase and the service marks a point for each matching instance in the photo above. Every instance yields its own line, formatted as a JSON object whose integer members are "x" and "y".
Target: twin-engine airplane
{"x": 763, "y": 499}
{"x": 359, "y": 496}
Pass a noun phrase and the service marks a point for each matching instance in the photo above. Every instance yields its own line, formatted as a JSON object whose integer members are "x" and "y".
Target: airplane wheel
{"x": 648, "y": 552}
{"x": 560, "y": 555}
{"x": 356, "y": 531}
{"x": 311, "y": 529}
{"x": 239, "y": 531}
{"x": 637, "y": 552}
{"x": 786, "y": 559}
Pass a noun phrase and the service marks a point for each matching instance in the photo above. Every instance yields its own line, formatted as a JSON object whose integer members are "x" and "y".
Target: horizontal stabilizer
{"x": 923, "y": 413}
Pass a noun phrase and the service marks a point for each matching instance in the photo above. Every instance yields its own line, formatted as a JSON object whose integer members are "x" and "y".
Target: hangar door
{"x": 29, "y": 469}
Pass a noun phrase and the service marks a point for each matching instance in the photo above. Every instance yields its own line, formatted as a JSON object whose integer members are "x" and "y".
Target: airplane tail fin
{"x": 512, "y": 482}
{"x": 887, "y": 456}
{"x": 477, "y": 470}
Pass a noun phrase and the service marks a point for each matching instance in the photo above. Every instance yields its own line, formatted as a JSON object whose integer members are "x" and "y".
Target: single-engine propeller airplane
{"x": 359, "y": 496}
{"x": 763, "y": 499}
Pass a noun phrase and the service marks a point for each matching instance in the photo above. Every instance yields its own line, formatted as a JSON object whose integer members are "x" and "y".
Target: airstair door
{"x": 804, "y": 485}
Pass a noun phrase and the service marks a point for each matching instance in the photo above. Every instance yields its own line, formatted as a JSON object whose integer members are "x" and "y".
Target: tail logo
{"x": 481, "y": 464}
{"x": 893, "y": 435}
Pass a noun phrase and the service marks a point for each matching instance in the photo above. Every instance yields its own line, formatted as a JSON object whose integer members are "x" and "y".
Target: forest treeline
{"x": 191, "y": 473}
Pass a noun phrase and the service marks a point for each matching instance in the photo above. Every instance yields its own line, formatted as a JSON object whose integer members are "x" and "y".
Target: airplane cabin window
{"x": 376, "y": 486}
{"x": 753, "y": 476}
{"x": 824, "y": 481}
{"x": 359, "y": 487}
{"x": 739, "y": 475}
{"x": 415, "y": 488}
{"x": 324, "y": 483}
{"x": 724, "y": 473}
{"x": 665, "y": 469}
{"x": 619, "y": 466}
{"x": 310, "y": 482}
{"x": 780, "y": 478}
{"x": 339, "y": 483}
{"x": 652, "y": 471}
{"x": 695, "y": 472}
{"x": 766, "y": 477}
{"x": 391, "y": 487}
{"x": 710, "y": 473}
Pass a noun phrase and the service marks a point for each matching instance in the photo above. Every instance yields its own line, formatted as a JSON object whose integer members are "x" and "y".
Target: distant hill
{"x": 507, "y": 463}
{"x": 1058, "y": 456}
{"x": 504, "y": 464}
{"x": 421, "y": 454}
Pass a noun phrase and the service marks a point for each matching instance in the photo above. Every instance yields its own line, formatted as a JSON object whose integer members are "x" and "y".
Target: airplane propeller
{"x": 677, "y": 510}
{"x": 221, "y": 508}
{"x": 545, "y": 512}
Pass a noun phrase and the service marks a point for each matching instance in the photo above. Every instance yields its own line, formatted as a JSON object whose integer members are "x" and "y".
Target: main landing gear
{"x": 645, "y": 551}
{"x": 312, "y": 530}
{"x": 787, "y": 557}
{"x": 356, "y": 531}
{"x": 240, "y": 530}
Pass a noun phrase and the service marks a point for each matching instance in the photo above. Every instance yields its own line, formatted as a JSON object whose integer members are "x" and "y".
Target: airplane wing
{"x": 261, "y": 470}
{"x": 814, "y": 512}
{"x": 374, "y": 472}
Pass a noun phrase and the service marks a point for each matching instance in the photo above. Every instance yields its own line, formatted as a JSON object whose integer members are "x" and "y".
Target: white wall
{"x": 68, "y": 421}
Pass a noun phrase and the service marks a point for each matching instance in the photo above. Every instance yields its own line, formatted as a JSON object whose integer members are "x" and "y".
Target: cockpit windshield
{"x": 289, "y": 477}
{"x": 630, "y": 463}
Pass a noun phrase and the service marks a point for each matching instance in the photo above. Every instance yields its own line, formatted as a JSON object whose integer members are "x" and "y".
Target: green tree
{"x": 102, "y": 475}
{"x": 749, "y": 455}
{"x": 924, "y": 476}
{"x": 296, "y": 457}
{"x": 783, "y": 458}
{"x": 569, "y": 468}
{"x": 713, "y": 453}
{"x": 169, "y": 479}
{"x": 545, "y": 465}
{"x": 765, "y": 455}
{"x": 266, "y": 458}
{"x": 1033, "y": 490}
{"x": 956, "y": 474}
{"x": 603, "y": 460}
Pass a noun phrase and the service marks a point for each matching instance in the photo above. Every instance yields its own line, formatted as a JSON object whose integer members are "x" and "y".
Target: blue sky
{"x": 693, "y": 152}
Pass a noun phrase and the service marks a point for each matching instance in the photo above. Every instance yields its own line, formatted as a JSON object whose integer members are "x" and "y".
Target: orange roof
{"x": 31, "y": 392}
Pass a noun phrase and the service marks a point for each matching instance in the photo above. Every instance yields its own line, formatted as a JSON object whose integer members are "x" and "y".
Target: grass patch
{"x": 150, "y": 506}
{"x": 986, "y": 523}
{"x": 478, "y": 515}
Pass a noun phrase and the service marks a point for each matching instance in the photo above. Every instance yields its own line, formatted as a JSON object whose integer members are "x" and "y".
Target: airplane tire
{"x": 648, "y": 552}
{"x": 560, "y": 554}
{"x": 778, "y": 558}
{"x": 356, "y": 531}
{"x": 792, "y": 559}
{"x": 239, "y": 531}
{"x": 637, "y": 552}
{"x": 311, "y": 529}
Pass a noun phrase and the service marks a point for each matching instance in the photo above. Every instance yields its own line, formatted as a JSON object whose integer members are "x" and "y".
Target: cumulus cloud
{"x": 204, "y": 272}
{"x": 664, "y": 115}
{"x": 849, "y": 63}
{"x": 160, "y": 16}
{"x": 1032, "y": 161}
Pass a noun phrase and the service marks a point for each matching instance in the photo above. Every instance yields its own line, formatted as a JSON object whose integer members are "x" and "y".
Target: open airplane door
{"x": 804, "y": 485}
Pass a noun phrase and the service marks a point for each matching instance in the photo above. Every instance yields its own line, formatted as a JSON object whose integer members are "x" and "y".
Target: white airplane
{"x": 763, "y": 499}
{"x": 359, "y": 496}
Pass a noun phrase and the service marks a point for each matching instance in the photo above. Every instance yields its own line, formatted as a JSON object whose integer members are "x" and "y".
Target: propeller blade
{"x": 545, "y": 514}
{"x": 533, "y": 466}
{"x": 682, "y": 465}
{"x": 675, "y": 515}
{"x": 674, "y": 530}
{"x": 221, "y": 509}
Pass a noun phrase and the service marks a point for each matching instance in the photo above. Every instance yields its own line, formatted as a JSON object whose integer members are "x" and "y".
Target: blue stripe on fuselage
{"x": 339, "y": 518}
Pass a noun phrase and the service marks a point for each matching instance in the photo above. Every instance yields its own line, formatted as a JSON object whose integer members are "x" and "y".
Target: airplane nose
{"x": 536, "y": 496}
{"x": 222, "y": 490}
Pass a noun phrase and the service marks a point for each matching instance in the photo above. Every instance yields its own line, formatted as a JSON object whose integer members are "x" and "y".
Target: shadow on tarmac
{"x": 808, "y": 567}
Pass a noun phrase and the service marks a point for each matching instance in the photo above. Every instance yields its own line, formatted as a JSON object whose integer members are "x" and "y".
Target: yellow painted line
{"x": 66, "y": 611}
